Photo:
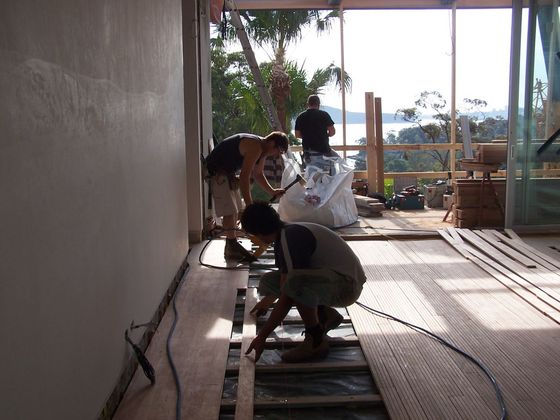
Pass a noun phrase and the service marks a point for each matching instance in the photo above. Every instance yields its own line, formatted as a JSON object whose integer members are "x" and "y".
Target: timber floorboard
{"x": 431, "y": 285}
{"x": 200, "y": 344}
{"x": 402, "y": 224}
{"x": 425, "y": 282}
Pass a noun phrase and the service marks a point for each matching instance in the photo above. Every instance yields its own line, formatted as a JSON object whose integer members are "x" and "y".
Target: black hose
{"x": 448, "y": 344}
{"x": 242, "y": 266}
{"x": 168, "y": 350}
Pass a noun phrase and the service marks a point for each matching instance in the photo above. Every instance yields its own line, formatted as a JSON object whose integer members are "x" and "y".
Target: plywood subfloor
{"x": 425, "y": 282}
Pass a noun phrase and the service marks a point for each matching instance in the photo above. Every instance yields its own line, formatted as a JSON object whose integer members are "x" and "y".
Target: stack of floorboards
{"x": 525, "y": 270}
{"x": 368, "y": 207}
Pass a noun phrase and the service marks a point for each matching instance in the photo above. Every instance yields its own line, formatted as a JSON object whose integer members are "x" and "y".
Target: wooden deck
{"x": 509, "y": 323}
{"x": 401, "y": 224}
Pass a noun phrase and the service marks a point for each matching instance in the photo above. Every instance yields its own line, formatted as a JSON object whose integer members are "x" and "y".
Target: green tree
{"x": 229, "y": 72}
{"x": 484, "y": 128}
{"x": 360, "y": 163}
{"x": 277, "y": 29}
{"x": 439, "y": 131}
{"x": 436, "y": 132}
{"x": 236, "y": 104}
{"x": 411, "y": 135}
{"x": 396, "y": 165}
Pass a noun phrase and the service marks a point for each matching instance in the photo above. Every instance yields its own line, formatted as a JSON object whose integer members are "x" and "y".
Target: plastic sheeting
{"x": 284, "y": 385}
{"x": 317, "y": 413}
{"x": 326, "y": 199}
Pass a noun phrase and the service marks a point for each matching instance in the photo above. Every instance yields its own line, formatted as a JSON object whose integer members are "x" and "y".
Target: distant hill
{"x": 388, "y": 118}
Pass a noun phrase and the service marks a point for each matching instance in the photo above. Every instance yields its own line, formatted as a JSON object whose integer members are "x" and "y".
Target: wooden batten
{"x": 379, "y": 160}
{"x": 370, "y": 141}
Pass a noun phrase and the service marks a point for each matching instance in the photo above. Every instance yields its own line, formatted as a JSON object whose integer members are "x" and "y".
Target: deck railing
{"x": 375, "y": 174}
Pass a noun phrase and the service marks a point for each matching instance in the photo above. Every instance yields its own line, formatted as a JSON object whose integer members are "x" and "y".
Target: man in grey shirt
{"x": 317, "y": 271}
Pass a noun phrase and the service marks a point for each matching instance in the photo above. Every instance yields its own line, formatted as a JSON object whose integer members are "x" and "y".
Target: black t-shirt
{"x": 313, "y": 123}
{"x": 226, "y": 157}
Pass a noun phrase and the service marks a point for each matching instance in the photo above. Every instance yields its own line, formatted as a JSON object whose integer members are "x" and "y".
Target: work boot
{"x": 236, "y": 252}
{"x": 329, "y": 318}
{"x": 315, "y": 346}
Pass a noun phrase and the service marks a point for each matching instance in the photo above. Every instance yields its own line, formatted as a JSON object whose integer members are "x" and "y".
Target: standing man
{"x": 317, "y": 270}
{"x": 314, "y": 127}
{"x": 245, "y": 153}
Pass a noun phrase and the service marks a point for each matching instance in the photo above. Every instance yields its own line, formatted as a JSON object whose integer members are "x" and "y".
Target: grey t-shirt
{"x": 312, "y": 245}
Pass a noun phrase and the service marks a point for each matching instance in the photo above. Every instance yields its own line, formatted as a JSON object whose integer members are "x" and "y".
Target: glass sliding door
{"x": 534, "y": 177}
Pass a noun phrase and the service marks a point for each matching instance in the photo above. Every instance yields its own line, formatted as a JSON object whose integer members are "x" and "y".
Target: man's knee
{"x": 269, "y": 284}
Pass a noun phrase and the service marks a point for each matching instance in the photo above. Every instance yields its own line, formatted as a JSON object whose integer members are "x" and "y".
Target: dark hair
{"x": 313, "y": 100}
{"x": 259, "y": 218}
{"x": 280, "y": 140}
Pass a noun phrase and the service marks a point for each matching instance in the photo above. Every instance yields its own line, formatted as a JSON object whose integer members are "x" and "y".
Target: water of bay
{"x": 354, "y": 132}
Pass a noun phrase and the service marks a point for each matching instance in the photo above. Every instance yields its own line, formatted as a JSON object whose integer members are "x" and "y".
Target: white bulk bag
{"x": 326, "y": 199}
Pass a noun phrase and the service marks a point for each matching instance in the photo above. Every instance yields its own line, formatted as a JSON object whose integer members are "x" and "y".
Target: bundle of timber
{"x": 368, "y": 207}
{"x": 478, "y": 203}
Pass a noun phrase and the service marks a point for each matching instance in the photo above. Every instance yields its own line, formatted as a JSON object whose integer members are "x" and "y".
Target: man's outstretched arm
{"x": 277, "y": 315}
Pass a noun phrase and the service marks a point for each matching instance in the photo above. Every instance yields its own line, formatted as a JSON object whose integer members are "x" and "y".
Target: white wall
{"x": 198, "y": 108}
{"x": 93, "y": 206}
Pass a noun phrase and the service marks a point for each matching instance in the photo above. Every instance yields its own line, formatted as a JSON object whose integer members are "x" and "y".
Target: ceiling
{"x": 370, "y": 4}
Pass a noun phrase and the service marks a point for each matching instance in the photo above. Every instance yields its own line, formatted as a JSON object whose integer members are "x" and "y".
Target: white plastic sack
{"x": 326, "y": 199}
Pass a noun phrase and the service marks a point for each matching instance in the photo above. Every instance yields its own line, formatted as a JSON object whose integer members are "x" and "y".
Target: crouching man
{"x": 317, "y": 271}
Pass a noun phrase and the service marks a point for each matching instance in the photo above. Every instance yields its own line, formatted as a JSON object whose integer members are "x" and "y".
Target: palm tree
{"x": 243, "y": 95}
{"x": 279, "y": 28}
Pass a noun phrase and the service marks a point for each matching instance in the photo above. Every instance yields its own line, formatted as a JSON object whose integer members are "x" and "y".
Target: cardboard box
{"x": 434, "y": 195}
{"x": 470, "y": 184}
{"x": 469, "y": 217}
{"x": 473, "y": 200}
{"x": 467, "y": 224}
{"x": 467, "y": 192}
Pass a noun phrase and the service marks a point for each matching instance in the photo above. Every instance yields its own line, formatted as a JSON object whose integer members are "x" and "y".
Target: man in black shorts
{"x": 245, "y": 153}
{"x": 317, "y": 271}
